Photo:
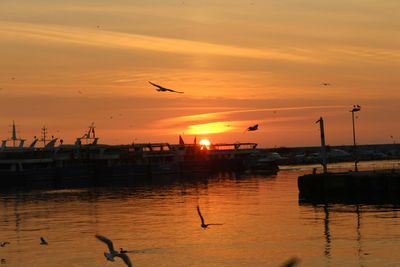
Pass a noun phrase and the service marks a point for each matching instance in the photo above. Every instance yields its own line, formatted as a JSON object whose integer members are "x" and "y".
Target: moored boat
{"x": 87, "y": 161}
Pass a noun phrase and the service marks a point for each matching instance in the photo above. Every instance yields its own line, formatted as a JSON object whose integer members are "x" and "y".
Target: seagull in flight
{"x": 205, "y": 225}
{"x": 163, "y": 89}
{"x": 43, "y": 241}
{"x": 253, "y": 128}
{"x": 3, "y": 244}
{"x": 291, "y": 263}
{"x": 326, "y": 84}
{"x": 113, "y": 253}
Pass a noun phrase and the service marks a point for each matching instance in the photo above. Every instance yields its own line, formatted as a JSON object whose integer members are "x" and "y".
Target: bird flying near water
{"x": 205, "y": 225}
{"x": 43, "y": 241}
{"x": 3, "y": 244}
{"x": 112, "y": 252}
{"x": 163, "y": 89}
{"x": 291, "y": 262}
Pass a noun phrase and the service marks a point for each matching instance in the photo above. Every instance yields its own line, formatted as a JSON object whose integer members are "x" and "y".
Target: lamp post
{"x": 356, "y": 108}
{"x": 323, "y": 147}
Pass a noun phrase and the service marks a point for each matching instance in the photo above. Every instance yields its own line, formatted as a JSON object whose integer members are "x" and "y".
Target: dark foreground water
{"x": 263, "y": 224}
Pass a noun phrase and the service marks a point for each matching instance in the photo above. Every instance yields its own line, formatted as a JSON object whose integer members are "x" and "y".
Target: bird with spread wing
{"x": 112, "y": 252}
{"x": 163, "y": 89}
{"x": 205, "y": 225}
{"x": 252, "y": 128}
{"x": 3, "y": 244}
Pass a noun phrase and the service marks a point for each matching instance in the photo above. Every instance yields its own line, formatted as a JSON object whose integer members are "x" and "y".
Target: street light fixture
{"x": 356, "y": 108}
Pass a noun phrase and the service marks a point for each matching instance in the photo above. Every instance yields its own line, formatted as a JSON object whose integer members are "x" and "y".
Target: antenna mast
{"x": 44, "y": 135}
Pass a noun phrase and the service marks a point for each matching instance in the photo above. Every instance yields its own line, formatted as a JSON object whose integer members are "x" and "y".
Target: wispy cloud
{"x": 225, "y": 114}
{"x": 118, "y": 40}
{"x": 369, "y": 53}
{"x": 235, "y": 120}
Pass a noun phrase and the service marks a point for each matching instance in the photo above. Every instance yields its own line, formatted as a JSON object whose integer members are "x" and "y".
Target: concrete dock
{"x": 361, "y": 186}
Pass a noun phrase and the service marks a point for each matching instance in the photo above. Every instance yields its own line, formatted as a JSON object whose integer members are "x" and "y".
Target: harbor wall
{"x": 362, "y": 186}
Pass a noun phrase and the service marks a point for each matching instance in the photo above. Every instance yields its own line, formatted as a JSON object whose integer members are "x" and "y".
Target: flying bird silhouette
{"x": 125, "y": 258}
{"x": 205, "y": 225}
{"x": 326, "y": 84}
{"x": 3, "y": 244}
{"x": 253, "y": 128}
{"x": 43, "y": 241}
{"x": 112, "y": 253}
{"x": 163, "y": 89}
{"x": 291, "y": 262}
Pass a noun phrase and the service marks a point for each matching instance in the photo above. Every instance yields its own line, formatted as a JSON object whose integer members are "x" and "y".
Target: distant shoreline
{"x": 342, "y": 153}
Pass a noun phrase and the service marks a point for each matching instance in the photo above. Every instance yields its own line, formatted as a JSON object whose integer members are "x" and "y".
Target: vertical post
{"x": 14, "y": 134}
{"x": 323, "y": 147}
{"x": 356, "y": 108}
{"x": 354, "y": 143}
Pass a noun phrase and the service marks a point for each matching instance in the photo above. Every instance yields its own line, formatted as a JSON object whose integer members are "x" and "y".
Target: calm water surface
{"x": 263, "y": 224}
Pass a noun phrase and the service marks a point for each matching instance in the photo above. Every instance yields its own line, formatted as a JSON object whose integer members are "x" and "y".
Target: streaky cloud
{"x": 234, "y": 120}
{"x": 224, "y": 114}
{"x": 118, "y": 40}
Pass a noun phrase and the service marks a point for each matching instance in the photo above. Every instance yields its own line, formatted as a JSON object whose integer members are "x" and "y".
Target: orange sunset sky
{"x": 66, "y": 64}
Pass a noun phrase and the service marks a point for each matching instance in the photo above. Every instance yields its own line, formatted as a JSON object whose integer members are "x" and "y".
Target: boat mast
{"x": 89, "y": 135}
{"x": 14, "y": 137}
{"x": 44, "y": 133}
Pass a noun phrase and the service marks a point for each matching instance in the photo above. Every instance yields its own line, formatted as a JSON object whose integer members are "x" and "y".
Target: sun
{"x": 205, "y": 143}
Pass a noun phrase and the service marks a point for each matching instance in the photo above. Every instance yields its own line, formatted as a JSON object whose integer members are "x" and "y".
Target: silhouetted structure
{"x": 353, "y": 187}
{"x": 356, "y": 108}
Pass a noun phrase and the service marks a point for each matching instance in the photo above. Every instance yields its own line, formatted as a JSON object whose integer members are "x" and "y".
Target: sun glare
{"x": 209, "y": 128}
{"x": 205, "y": 143}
